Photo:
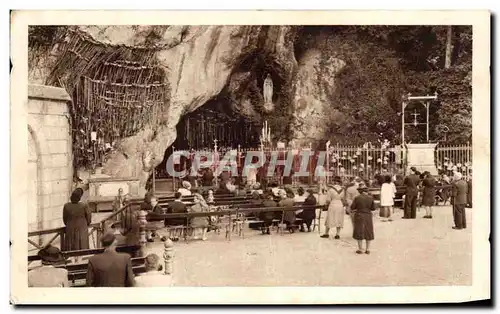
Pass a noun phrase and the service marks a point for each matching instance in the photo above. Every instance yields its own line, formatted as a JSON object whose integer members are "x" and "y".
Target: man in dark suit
{"x": 176, "y": 207}
{"x": 110, "y": 268}
{"x": 411, "y": 183}
{"x": 268, "y": 216}
{"x": 459, "y": 194}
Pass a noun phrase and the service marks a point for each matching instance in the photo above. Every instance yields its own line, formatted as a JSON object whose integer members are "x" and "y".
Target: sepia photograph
{"x": 271, "y": 149}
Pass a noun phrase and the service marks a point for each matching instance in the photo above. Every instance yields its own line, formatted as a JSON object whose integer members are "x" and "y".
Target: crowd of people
{"x": 357, "y": 199}
{"x": 420, "y": 189}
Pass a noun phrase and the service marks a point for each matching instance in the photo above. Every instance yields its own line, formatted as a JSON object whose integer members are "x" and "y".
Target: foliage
{"x": 39, "y": 35}
{"x": 383, "y": 63}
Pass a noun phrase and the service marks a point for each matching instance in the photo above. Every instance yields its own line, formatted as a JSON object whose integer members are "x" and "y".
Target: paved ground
{"x": 404, "y": 252}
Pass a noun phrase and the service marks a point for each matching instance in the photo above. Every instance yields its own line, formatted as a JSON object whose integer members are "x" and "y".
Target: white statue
{"x": 268, "y": 90}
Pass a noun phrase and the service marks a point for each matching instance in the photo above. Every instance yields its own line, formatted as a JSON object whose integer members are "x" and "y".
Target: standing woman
{"x": 362, "y": 208}
{"x": 336, "y": 212}
{"x": 387, "y": 195}
{"x": 200, "y": 224}
{"x": 76, "y": 218}
{"x": 429, "y": 194}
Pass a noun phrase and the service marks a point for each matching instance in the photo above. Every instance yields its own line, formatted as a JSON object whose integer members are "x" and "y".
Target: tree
{"x": 386, "y": 62}
{"x": 447, "y": 62}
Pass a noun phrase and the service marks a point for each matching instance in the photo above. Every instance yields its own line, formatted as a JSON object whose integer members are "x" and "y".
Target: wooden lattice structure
{"x": 198, "y": 130}
{"x": 117, "y": 90}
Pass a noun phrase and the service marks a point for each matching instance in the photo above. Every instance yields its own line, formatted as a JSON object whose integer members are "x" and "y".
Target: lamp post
{"x": 327, "y": 162}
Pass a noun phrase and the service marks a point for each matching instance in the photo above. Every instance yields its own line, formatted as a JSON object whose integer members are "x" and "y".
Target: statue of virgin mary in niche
{"x": 268, "y": 92}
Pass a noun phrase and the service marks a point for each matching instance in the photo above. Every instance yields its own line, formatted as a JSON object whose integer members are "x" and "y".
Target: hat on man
{"x": 51, "y": 255}
{"x": 107, "y": 239}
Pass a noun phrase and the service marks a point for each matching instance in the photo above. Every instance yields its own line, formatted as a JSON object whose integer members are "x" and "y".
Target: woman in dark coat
{"x": 362, "y": 208}
{"x": 289, "y": 215}
{"x": 308, "y": 214}
{"x": 76, "y": 218}
{"x": 429, "y": 194}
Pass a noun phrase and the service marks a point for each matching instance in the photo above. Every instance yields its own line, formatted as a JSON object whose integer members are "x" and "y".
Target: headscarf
{"x": 186, "y": 185}
{"x": 457, "y": 176}
{"x": 202, "y": 201}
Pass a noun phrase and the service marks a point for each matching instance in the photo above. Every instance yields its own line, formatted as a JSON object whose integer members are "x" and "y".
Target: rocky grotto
{"x": 178, "y": 70}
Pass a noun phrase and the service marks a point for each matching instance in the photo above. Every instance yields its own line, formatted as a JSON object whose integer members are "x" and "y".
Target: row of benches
{"x": 236, "y": 218}
{"x": 77, "y": 272}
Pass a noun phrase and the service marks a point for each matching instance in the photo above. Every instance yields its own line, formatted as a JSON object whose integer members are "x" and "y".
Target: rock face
{"x": 314, "y": 79}
{"x": 199, "y": 62}
{"x": 202, "y": 63}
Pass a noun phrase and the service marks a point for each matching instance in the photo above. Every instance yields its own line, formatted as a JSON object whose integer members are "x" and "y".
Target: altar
{"x": 104, "y": 190}
{"x": 421, "y": 156}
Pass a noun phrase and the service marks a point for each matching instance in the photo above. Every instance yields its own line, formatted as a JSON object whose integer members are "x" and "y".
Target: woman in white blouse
{"x": 387, "y": 195}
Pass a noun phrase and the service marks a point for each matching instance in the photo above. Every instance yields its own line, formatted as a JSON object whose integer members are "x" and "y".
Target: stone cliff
{"x": 199, "y": 63}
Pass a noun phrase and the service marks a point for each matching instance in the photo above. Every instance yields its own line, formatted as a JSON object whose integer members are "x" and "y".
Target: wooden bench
{"x": 77, "y": 272}
{"x": 235, "y": 218}
{"x": 131, "y": 249}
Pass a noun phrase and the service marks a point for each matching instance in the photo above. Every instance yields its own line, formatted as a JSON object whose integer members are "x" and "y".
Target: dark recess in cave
{"x": 214, "y": 120}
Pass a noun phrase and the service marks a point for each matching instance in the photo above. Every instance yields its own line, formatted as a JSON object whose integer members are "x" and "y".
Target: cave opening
{"x": 224, "y": 118}
{"x": 215, "y": 120}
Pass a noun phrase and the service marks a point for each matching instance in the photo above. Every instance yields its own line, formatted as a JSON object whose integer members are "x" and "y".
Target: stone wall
{"x": 50, "y": 163}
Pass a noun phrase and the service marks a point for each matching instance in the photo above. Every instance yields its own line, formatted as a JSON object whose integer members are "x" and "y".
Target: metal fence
{"x": 454, "y": 158}
{"x": 350, "y": 161}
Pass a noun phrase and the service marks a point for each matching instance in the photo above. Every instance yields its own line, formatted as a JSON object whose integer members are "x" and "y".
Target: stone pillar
{"x": 168, "y": 256}
{"x": 141, "y": 217}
